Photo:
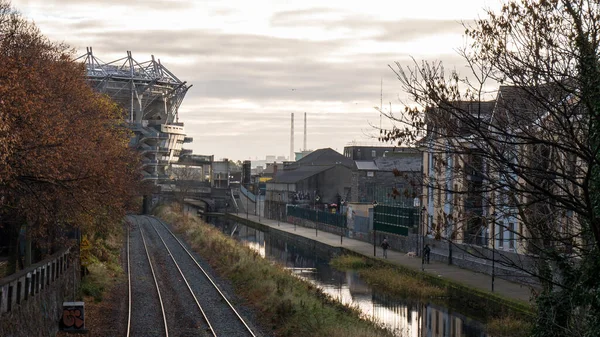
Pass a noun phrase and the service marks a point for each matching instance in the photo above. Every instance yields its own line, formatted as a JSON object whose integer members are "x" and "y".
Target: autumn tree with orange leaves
{"x": 65, "y": 163}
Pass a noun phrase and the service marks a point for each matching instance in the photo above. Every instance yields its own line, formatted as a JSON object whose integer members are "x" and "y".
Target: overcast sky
{"x": 252, "y": 63}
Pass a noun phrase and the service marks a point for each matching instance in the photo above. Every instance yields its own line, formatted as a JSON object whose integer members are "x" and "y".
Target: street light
{"x": 374, "y": 230}
{"x": 316, "y": 198}
{"x": 422, "y": 238}
{"x": 278, "y": 204}
{"x": 493, "y": 248}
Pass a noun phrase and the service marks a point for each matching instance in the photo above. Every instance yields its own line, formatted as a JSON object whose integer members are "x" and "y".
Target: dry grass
{"x": 388, "y": 278}
{"x": 508, "y": 327}
{"x": 288, "y": 305}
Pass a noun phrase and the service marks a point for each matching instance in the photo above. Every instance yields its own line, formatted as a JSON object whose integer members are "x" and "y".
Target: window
{"x": 501, "y": 236}
{"x": 373, "y": 153}
{"x": 370, "y": 174}
{"x": 511, "y": 235}
{"x": 520, "y": 231}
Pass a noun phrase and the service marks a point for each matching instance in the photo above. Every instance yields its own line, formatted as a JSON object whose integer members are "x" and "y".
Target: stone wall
{"x": 31, "y": 300}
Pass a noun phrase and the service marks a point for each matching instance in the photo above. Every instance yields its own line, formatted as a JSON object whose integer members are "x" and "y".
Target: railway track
{"x": 146, "y": 315}
{"x": 193, "y": 301}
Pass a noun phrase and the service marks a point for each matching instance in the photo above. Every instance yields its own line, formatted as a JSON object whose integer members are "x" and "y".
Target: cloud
{"x": 207, "y": 43}
{"x": 138, "y": 4}
{"x": 382, "y": 30}
{"x": 246, "y": 83}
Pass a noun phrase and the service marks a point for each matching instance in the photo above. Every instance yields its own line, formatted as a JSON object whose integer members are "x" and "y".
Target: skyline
{"x": 252, "y": 65}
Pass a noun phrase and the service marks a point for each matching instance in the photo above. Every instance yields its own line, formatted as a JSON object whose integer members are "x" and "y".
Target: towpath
{"x": 464, "y": 276}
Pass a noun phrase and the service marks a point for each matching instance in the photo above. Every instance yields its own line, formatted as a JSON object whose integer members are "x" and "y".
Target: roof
{"x": 295, "y": 175}
{"x": 402, "y": 164}
{"x": 527, "y": 105}
{"x": 442, "y": 120}
{"x": 366, "y": 165}
{"x": 327, "y": 156}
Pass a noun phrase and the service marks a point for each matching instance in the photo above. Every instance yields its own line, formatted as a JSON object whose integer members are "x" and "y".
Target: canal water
{"x": 404, "y": 317}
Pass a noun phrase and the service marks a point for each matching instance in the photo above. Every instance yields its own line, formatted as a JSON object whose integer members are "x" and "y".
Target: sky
{"x": 253, "y": 63}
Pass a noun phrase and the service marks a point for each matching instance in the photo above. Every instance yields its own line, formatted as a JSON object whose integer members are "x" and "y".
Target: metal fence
{"x": 333, "y": 219}
{"x": 395, "y": 220}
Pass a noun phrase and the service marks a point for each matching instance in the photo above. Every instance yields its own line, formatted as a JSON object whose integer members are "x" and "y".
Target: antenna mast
{"x": 380, "y": 102}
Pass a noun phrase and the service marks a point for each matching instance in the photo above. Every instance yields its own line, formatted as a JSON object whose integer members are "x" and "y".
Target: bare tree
{"x": 185, "y": 180}
{"x": 522, "y": 159}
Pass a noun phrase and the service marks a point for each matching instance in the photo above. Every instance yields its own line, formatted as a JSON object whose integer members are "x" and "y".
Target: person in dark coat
{"x": 426, "y": 252}
{"x": 385, "y": 245}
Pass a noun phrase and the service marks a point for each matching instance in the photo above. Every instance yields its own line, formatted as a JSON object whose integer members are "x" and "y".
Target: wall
{"x": 480, "y": 259}
{"x": 464, "y": 256}
{"x": 31, "y": 300}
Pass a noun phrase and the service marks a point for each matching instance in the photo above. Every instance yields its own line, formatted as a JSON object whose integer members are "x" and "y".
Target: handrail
{"x": 12, "y": 277}
{"x": 233, "y": 198}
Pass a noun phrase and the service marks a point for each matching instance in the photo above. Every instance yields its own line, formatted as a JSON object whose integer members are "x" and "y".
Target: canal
{"x": 401, "y": 316}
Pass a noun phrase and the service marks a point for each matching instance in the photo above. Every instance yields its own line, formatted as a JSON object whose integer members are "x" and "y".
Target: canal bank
{"x": 468, "y": 289}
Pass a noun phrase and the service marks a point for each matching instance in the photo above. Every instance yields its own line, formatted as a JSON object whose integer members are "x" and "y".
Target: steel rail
{"x": 186, "y": 282}
{"x": 207, "y": 276}
{"x": 128, "y": 282}
{"x": 162, "y": 307}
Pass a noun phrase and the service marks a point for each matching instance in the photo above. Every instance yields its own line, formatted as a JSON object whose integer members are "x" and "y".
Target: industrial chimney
{"x": 292, "y": 140}
{"x": 304, "y": 132}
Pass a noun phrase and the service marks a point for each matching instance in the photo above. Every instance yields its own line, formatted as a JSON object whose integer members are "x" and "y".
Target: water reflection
{"x": 405, "y": 318}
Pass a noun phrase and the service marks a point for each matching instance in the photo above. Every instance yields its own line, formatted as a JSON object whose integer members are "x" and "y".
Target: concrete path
{"x": 464, "y": 276}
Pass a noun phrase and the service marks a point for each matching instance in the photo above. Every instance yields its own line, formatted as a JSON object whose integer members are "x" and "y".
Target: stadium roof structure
{"x": 147, "y": 90}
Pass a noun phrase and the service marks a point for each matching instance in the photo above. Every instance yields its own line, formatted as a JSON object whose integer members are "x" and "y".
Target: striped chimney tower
{"x": 304, "y": 132}
{"x": 292, "y": 140}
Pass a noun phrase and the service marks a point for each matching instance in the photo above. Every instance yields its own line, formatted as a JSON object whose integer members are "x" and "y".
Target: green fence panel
{"x": 333, "y": 219}
{"x": 395, "y": 220}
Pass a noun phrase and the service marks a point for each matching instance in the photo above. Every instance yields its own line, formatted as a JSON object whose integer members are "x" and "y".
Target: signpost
{"x": 73, "y": 317}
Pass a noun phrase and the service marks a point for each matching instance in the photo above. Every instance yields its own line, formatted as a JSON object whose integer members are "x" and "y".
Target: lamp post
{"x": 493, "y": 248}
{"x": 374, "y": 230}
{"x": 278, "y": 211}
{"x": 247, "y": 197}
{"x": 422, "y": 238}
{"x": 316, "y": 198}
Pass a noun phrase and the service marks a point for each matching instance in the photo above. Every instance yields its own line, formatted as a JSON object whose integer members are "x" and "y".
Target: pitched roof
{"x": 292, "y": 176}
{"x": 442, "y": 120}
{"x": 524, "y": 106}
{"x": 327, "y": 156}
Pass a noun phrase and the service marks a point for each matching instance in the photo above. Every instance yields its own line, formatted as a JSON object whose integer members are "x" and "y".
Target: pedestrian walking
{"x": 385, "y": 245}
{"x": 426, "y": 252}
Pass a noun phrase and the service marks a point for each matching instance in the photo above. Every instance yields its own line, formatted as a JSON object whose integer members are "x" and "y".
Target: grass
{"x": 287, "y": 305}
{"x": 508, "y": 327}
{"x": 388, "y": 278}
{"x": 397, "y": 281}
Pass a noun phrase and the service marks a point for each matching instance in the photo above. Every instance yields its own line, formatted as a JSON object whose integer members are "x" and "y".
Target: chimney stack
{"x": 304, "y": 131}
{"x": 292, "y": 140}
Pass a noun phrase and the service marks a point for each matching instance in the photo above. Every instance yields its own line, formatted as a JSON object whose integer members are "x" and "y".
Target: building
{"x": 453, "y": 194}
{"x": 201, "y": 163}
{"x": 319, "y": 179}
{"x": 392, "y": 180}
{"x": 369, "y": 152}
{"x": 301, "y": 154}
{"x": 151, "y": 95}
{"x": 221, "y": 173}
